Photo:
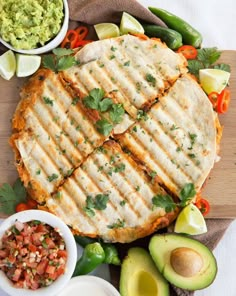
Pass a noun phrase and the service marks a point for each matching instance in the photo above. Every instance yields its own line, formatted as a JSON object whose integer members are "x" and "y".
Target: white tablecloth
{"x": 216, "y": 20}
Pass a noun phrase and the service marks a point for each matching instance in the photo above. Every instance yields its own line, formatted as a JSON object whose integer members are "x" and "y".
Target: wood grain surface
{"x": 220, "y": 187}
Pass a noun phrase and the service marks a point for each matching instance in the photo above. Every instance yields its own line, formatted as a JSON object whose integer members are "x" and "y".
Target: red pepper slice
{"x": 82, "y": 32}
{"x": 203, "y": 205}
{"x": 188, "y": 51}
{"x": 22, "y": 207}
{"x": 82, "y": 42}
{"x": 213, "y": 97}
{"x": 223, "y": 101}
{"x": 70, "y": 39}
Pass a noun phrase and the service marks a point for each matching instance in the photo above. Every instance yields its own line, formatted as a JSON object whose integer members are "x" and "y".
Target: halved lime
{"x": 7, "y": 65}
{"x": 107, "y": 30}
{"x": 190, "y": 221}
{"x": 213, "y": 80}
{"x": 129, "y": 24}
{"x": 27, "y": 64}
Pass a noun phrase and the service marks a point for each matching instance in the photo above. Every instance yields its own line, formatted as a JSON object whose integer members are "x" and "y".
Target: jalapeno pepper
{"x": 203, "y": 205}
{"x": 93, "y": 255}
{"x": 70, "y": 40}
{"x": 223, "y": 101}
{"x": 82, "y": 32}
{"x": 111, "y": 254}
{"x": 188, "y": 51}
{"x": 83, "y": 241}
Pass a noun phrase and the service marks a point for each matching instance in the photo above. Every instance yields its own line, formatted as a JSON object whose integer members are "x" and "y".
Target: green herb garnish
{"x": 99, "y": 202}
{"x": 151, "y": 79}
{"x": 119, "y": 224}
{"x": 52, "y": 177}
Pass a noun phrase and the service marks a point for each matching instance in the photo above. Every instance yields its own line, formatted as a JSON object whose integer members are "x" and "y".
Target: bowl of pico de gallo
{"x": 37, "y": 254}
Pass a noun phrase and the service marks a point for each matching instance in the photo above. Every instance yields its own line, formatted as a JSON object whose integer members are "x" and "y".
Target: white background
{"x": 216, "y": 20}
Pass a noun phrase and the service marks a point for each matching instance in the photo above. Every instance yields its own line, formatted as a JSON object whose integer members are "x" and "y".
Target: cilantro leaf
{"x": 49, "y": 62}
{"x": 105, "y": 104}
{"x": 222, "y": 66}
{"x": 116, "y": 113}
{"x": 186, "y": 194}
{"x": 164, "y": 201}
{"x": 208, "y": 56}
{"x": 104, "y": 127}
{"x": 100, "y": 202}
{"x": 62, "y": 51}
{"x": 65, "y": 62}
{"x": 119, "y": 224}
{"x": 11, "y": 196}
{"x": 93, "y": 99}
{"x": 194, "y": 66}
{"x": 97, "y": 93}
{"x": 151, "y": 79}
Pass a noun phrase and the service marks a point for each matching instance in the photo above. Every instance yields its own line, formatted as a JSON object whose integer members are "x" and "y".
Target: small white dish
{"x": 87, "y": 285}
{"x": 52, "y": 43}
{"x": 70, "y": 243}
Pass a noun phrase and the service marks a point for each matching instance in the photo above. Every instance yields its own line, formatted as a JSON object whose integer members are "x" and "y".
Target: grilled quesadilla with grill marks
{"x": 110, "y": 196}
{"x": 54, "y": 133}
{"x": 177, "y": 139}
{"x": 133, "y": 70}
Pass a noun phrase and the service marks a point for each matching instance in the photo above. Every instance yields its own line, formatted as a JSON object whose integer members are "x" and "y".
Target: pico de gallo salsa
{"x": 32, "y": 254}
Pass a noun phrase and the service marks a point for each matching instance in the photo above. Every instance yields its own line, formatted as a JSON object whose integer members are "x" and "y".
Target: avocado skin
{"x": 161, "y": 246}
{"x": 138, "y": 261}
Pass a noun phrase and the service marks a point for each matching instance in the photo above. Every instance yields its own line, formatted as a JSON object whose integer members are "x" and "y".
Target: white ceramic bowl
{"x": 88, "y": 285}
{"x": 65, "y": 232}
{"x": 51, "y": 44}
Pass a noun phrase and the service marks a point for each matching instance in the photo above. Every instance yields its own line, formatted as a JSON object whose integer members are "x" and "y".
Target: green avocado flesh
{"x": 140, "y": 277}
{"x": 160, "y": 248}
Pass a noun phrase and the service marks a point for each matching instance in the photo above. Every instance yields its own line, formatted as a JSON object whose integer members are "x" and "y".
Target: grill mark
{"x": 160, "y": 145}
{"x": 85, "y": 74}
{"x": 129, "y": 184}
{"x": 52, "y": 137}
{"x": 120, "y": 194}
{"x": 64, "y": 187}
{"x": 98, "y": 214}
{"x": 172, "y": 139}
{"x": 161, "y": 168}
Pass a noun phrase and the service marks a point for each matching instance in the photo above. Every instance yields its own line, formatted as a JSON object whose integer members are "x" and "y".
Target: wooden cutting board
{"x": 220, "y": 187}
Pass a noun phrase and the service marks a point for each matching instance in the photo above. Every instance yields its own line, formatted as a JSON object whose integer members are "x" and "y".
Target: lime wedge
{"x": 130, "y": 25}
{"x": 107, "y": 30}
{"x": 7, "y": 65}
{"x": 27, "y": 64}
{"x": 190, "y": 221}
{"x": 213, "y": 80}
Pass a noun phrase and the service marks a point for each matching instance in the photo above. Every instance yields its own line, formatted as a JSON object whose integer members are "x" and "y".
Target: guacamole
{"x": 30, "y": 24}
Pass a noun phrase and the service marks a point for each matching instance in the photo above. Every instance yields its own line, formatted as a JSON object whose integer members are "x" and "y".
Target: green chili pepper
{"x": 83, "y": 241}
{"x": 111, "y": 254}
{"x": 93, "y": 255}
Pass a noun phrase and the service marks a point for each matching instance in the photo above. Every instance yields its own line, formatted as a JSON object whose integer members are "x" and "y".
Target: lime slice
{"x": 190, "y": 221}
{"x": 26, "y": 65}
{"x": 213, "y": 80}
{"x": 7, "y": 65}
{"x": 130, "y": 25}
{"x": 107, "y": 30}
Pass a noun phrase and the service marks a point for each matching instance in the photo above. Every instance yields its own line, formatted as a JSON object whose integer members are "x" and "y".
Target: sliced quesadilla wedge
{"x": 176, "y": 141}
{"x": 110, "y": 197}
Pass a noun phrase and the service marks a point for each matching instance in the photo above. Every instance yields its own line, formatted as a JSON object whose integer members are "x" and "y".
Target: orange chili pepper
{"x": 82, "y": 32}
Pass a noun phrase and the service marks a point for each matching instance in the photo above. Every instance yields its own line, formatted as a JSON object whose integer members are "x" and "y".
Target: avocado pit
{"x": 186, "y": 261}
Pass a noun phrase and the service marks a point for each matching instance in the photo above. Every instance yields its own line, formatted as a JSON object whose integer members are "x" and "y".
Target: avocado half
{"x": 162, "y": 247}
{"x": 139, "y": 275}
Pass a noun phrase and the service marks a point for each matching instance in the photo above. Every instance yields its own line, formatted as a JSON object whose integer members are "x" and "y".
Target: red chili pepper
{"x": 32, "y": 203}
{"x": 83, "y": 42}
{"x": 70, "y": 39}
{"x": 213, "y": 97}
{"x": 203, "y": 205}
{"x": 188, "y": 51}
{"x": 223, "y": 101}
{"x": 22, "y": 207}
{"x": 82, "y": 32}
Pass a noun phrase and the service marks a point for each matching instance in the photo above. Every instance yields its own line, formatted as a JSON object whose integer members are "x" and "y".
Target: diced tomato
{"x": 62, "y": 253}
{"x": 27, "y": 240}
{"x": 19, "y": 238}
{"x": 41, "y": 228}
{"x": 37, "y": 238}
{"x": 50, "y": 269}
{"x": 32, "y": 248}
{"x": 34, "y": 285}
{"x": 53, "y": 276}
{"x": 16, "y": 275}
{"x": 23, "y": 251}
{"x": 11, "y": 259}
{"x": 60, "y": 270}
{"x": 4, "y": 253}
{"x": 41, "y": 268}
{"x": 50, "y": 243}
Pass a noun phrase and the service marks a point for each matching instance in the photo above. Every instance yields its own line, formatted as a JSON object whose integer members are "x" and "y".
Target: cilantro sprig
{"x": 96, "y": 100}
{"x": 166, "y": 202}
{"x": 99, "y": 202}
{"x": 10, "y": 196}
{"x": 61, "y": 60}
{"x": 206, "y": 58}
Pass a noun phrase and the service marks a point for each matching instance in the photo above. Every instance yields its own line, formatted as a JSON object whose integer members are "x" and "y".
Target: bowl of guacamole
{"x": 33, "y": 26}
